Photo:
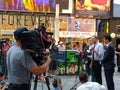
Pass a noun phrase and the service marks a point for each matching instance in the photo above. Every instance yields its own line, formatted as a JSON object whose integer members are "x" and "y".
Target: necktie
{"x": 93, "y": 53}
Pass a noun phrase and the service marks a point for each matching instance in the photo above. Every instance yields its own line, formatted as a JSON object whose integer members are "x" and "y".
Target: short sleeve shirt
{"x": 18, "y": 64}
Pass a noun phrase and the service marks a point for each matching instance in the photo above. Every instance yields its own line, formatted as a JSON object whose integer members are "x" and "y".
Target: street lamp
{"x": 112, "y": 35}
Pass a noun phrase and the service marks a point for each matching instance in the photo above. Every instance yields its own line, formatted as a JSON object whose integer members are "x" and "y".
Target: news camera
{"x": 36, "y": 42}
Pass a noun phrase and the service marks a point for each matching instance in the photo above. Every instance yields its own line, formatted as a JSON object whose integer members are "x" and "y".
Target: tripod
{"x": 47, "y": 82}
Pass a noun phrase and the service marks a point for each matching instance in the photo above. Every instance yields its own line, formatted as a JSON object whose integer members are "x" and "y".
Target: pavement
{"x": 72, "y": 82}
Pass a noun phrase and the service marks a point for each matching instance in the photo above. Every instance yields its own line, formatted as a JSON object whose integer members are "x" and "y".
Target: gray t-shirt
{"x": 18, "y": 63}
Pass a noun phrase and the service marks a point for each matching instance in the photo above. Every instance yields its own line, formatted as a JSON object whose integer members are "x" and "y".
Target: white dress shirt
{"x": 100, "y": 49}
{"x": 91, "y": 86}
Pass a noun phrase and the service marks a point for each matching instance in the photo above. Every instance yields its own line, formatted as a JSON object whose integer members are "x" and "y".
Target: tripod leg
{"x": 47, "y": 82}
{"x": 35, "y": 85}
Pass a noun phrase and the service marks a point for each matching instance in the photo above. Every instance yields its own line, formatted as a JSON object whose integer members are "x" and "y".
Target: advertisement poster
{"x": 61, "y": 68}
{"x": 93, "y": 8}
{"x": 82, "y": 25}
{"x": 83, "y": 28}
{"x": 72, "y": 62}
{"x": 61, "y": 63}
{"x": 67, "y": 63}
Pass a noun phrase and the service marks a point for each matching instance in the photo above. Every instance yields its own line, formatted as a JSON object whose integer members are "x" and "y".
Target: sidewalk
{"x": 70, "y": 81}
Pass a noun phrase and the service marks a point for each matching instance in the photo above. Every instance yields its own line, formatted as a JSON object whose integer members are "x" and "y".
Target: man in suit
{"x": 108, "y": 62}
{"x": 88, "y": 58}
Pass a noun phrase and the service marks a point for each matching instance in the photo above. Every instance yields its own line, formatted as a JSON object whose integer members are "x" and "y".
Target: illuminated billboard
{"x": 34, "y": 5}
{"x": 28, "y": 5}
{"x": 93, "y": 8}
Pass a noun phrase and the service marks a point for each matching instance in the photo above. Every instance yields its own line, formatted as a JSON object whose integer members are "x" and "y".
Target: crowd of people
{"x": 95, "y": 56}
{"x": 100, "y": 55}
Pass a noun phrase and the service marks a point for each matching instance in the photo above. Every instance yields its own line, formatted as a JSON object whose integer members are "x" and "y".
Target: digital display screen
{"x": 28, "y": 5}
{"x": 93, "y": 8}
{"x": 116, "y": 8}
{"x": 33, "y": 5}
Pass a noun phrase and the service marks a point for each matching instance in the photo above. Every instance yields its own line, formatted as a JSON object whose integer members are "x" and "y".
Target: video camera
{"x": 36, "y": 42}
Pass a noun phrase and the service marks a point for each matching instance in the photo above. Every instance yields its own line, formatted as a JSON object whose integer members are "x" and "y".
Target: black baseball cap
{"x": 17, "y": 32}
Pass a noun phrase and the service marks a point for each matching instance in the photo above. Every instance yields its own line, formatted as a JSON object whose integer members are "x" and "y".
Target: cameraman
{"x": 20, "y": 64}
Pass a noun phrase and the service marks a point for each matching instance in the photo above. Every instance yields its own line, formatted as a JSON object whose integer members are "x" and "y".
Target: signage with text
{"x": 76, "y": 34}
{"x": 13, "y": 21}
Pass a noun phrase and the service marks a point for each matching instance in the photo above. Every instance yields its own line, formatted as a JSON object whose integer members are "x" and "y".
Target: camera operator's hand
{"x": 46, "y": 52}
{"x": 39, "y": 70}
{"x": 47, "y": 58}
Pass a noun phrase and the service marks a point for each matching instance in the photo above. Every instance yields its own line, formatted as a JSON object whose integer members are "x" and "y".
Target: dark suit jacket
{"x": 108, "y": 59}
{"x": 86, "y": 54}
